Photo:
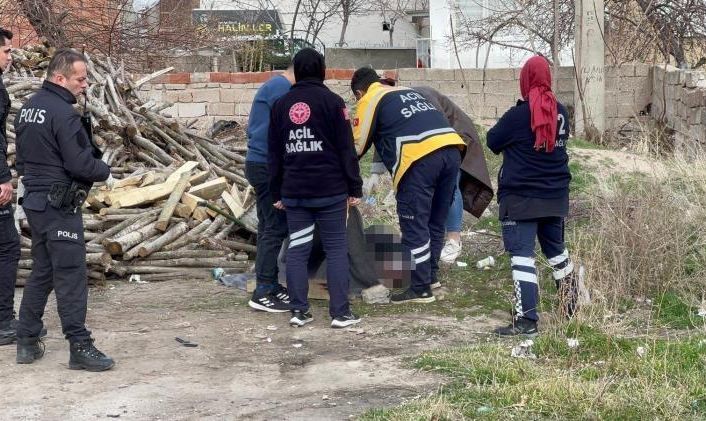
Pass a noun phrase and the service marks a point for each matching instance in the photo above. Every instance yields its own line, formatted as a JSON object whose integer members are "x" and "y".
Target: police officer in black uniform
{"x": 60, "y": 162}
{"x": 9, "y": 239}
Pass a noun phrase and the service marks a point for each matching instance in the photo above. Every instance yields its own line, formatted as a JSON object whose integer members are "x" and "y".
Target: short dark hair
{"x": 63, "y": 62}
{"x": 5, "y": 35}
{"x": 363, "y": 78}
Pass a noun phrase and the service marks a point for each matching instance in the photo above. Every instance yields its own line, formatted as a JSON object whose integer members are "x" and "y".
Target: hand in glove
{"x": 110, "y": 182}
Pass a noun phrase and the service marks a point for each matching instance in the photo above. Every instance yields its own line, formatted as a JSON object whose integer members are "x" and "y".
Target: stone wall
{"x": 679, "y": 99}
{"x": 485, "y": 95}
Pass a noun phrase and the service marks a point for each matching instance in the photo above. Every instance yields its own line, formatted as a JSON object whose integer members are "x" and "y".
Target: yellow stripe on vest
{"x": 412, "y": 151}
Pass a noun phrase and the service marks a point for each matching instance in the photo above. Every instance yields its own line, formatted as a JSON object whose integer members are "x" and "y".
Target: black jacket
{"x": 52, "y": 145}
{"x": 527, "y": 172}
{"x": 5, "y": 175}
{"x": 311, "y": 152}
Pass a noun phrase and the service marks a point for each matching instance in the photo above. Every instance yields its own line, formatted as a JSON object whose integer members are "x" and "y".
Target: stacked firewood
{"x": 180, "y": 205}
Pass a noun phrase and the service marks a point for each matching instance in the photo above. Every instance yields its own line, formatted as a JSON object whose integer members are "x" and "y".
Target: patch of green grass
{"x": 603, "y": 378}
{"x": 580, "y": 143}
{"x": 488, "y": 223}
{"x": 365, "y": 163}
{"x": 581, "y": 179}
{"x": 673, "y": 312}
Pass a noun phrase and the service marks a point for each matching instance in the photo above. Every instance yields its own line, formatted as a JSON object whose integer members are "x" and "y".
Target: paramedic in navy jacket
{"x": 533, "y": 193}
{"x": 314, "y": 176}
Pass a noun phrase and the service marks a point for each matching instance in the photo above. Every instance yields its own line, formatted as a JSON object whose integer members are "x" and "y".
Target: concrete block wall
{"x": 484, "y": 94}
{"x": 679, "y": 99}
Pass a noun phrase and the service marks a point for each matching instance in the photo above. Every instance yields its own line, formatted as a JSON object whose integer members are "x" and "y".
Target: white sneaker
{"x": 451, "y": 251}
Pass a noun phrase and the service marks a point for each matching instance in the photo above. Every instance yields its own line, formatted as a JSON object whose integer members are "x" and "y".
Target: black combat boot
{"x": 29, "y": 350}
{"x": 85, "y": 356}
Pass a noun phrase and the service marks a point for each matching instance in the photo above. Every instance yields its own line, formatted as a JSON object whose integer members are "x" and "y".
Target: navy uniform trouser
{"x": 519, "y": 239}
{"x": 271, "y": 228}
{"x": 424, "y": 196}
{"x": 331, "y": 221}
{"x": 9, "y": 256}
{"x": 59, "y": 263}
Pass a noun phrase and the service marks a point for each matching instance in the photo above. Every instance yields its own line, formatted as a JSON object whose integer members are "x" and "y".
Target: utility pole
{"x": 589, "y": 95}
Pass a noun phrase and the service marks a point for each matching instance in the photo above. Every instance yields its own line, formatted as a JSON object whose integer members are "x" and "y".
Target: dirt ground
{"x": 248, "y": 365}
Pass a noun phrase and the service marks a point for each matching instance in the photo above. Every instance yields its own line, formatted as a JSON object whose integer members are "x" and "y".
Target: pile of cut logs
{"x": 180, "y": 205}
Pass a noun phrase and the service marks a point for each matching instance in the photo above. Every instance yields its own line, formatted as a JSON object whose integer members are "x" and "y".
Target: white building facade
{"x": 363, "y": 31}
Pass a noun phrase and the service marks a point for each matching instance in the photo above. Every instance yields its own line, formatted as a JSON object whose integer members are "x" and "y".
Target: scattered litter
{"x": 461, "y": 264}
{"x": 486, "y": 263}
{"x": 523, "y": 350}
{"x": 297, "y": 345}
{"x": 376, "y": 294}
{"x": 702, "y": 309}
{"x": 271, "y": 327}
{"x": 640, "y": 351}
{"x": 143, "y": 330}
{"x": 355, "y": 330}
{"x": 112, "y": 415}
{"x": 572, "y": 342}
{"x": 325, "y": 397}
{"x": 136, "y": 279}
{"x": 269, "y": 340}
{"x": 484, "y": 409}
{"x": 185, "y": 342}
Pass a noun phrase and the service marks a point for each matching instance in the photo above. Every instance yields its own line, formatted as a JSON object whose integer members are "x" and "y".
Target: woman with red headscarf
{"x": 533, "y": 193}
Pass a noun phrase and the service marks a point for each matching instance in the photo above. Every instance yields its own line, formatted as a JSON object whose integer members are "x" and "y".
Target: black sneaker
{"x": 345, "y": 321}
{"x": 410, "y": 296}
{"x": 281, "y": 294}
{"x": 519, "y": 326}
{"x": 300, "y": 318}
{"x": 269, "y": 303}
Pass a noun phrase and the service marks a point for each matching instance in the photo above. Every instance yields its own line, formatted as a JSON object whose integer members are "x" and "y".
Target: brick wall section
{"x": 679, "y": 97}
{"x": 485, "y": 95}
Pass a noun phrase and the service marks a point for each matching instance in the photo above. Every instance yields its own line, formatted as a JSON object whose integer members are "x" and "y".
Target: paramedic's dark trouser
{"x": 424, "y": 196}
{"x": 519, "y": 239}
{"x": 59, "y": 263}
{"x": 331, "y": 222}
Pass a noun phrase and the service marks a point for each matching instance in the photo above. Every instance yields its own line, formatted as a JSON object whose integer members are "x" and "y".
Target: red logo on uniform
{"x": 300, "y": 113}
{"x": 356, "y": 121}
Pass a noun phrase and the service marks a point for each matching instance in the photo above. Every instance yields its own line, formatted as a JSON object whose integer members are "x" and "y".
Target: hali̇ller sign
{"x": 238, "y": 23}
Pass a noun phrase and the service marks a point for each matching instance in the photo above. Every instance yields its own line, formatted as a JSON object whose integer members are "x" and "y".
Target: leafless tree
{"x": 109, "y": 27}
{"x": 318, "y": 14}
{"x": 393, "y": 11}
{"x": 634, "y": 30}
{"x": 527, "y": 25}
{"x": 349, "y": 8}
